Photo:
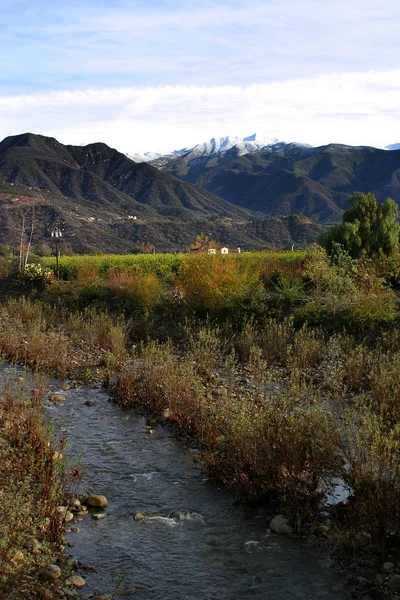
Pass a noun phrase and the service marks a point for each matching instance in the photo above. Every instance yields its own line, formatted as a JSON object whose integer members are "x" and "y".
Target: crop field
{"x": 166, "y": 266}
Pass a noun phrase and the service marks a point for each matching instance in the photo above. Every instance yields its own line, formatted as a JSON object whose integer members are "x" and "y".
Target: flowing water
{"x": 199, "y": 545}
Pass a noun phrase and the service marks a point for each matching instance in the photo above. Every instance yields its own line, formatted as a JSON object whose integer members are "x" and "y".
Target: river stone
{"x": 103, "y": 597}
{"x": 394, "y": 582}
{"x": 51, "y": 572}
{"x": 97, "y": 501}
{"x": 75, "y": 504}
{"x": 388, "y": 567}
{"x": 138, "y": 516}
{"x": 72, "y": 563}
{"x": 57, "y": 398}
{"x": 66, "y": 387}
{"x": 280, "y": 524}
{"x": 75, "y": 581}
{"x": 98, "y": 516}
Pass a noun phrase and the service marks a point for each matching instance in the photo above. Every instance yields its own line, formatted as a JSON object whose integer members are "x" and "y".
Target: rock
{"x": 57, "y": 455}
{"x": 388, "y": 567}
{"x": 167, "y": 413}
{"x": 97, "y": 501}
{"x": 89, "y": 403}
{"x": 57, "y": 398}
{"x": 51, "y": 572}
{"x": 64, "y": 514}
{"x": 379, "y": 580}
{"x": 75, "y": 504}
{"x": 280, "y": 524}
{"x": 72, "y": 563}
{"x": 98, "y": 516}
{"x": 362, "y": 582}
{"x": 75, "y": 581}
{"x": 138, "y": 516}
{"x": 66, "y": 387}
{"x": 75, "y": 529}
{"x": 150, "y": 431}
{"x": 103, "y": 597}
{"x": 394, "y": 582}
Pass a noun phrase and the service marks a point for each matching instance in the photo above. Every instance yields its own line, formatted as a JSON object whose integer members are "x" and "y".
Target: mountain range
{"x": 106, "y": 202}
{"x": 282, "y": 178}
{"x": 241, "y": 191}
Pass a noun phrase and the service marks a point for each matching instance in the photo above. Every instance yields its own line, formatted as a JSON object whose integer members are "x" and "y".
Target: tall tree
{"x": 368, "y": 228}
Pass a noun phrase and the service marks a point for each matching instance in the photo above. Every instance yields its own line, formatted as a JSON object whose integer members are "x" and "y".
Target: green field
{"x": 167, "y": 265}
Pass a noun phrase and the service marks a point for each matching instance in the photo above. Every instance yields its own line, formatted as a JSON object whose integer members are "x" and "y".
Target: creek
{"x": 199, "y": 544}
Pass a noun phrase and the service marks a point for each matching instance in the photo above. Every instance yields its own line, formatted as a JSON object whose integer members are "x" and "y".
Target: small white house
{"x": 212, "y": 251}
{"x": 224, "y": 250}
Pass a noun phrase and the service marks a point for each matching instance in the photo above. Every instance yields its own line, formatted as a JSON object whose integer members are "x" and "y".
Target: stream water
{"x": 217, "y": 551}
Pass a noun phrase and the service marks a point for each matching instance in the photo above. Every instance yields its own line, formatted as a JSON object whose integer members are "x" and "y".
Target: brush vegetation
{"x": 284, "y": 366}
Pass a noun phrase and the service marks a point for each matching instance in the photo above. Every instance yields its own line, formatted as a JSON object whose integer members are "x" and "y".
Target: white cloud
{"x": 353, "y": 108}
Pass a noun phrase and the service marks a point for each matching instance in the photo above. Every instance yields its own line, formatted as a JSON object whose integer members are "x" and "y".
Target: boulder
{"x": 280, "y": 524}
{"x": 388, "y": 567}
{"x": 97, "y": 501}
{"x": 75, "y": 504}
{"x": 57, "y": 398}
{"x": 75, "y": 581}
{"x": 51, "y": 572}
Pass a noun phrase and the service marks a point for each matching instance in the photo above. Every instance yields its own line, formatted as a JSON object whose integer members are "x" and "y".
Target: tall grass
{"x": 31, "y": 483}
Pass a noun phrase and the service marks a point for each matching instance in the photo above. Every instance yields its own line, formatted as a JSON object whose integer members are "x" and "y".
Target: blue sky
{"x": 169, "y": 73}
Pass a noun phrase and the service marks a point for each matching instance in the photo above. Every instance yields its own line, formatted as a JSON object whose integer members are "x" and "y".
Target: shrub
{"x": 34, "y": 273}
{"x": 219, "y": 285}
{"x": 139, "y": 292}
{"x": 371, "y": 451}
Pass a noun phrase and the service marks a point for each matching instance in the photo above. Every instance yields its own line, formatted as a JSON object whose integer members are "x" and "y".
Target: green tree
{"x": 368, "y": 228}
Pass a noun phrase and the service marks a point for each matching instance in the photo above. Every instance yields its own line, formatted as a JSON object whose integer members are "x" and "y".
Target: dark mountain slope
{"x": 105, "y": 178}
{"x": 292, "y": 178}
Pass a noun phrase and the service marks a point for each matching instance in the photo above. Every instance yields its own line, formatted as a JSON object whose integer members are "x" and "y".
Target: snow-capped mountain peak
{"x": 393, "y": 147}
{"x": 213, "y": 147}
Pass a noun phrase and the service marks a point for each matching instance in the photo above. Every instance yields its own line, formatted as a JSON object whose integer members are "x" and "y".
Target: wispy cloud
{"x": 141, "y": 74}
{"x": 354, "y": 108}
{"x": 49, "y": 45}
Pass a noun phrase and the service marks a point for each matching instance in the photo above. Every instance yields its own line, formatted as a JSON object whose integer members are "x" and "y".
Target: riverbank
{"x": 31, "y": 488}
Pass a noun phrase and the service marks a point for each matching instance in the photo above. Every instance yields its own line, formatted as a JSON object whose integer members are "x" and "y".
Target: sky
{"x": 167, "y": 74}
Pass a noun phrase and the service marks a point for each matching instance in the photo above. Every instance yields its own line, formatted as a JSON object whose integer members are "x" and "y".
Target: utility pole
{"x": 56, "y": 234}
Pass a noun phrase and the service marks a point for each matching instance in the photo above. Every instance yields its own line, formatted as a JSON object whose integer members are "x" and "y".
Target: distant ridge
{"x": 287, "y": 178}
